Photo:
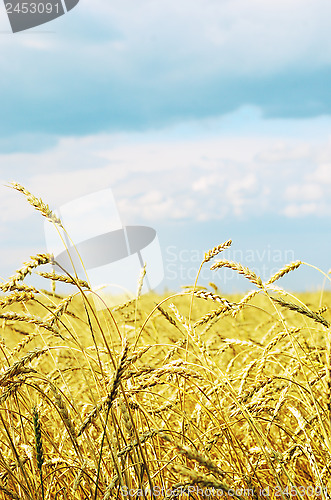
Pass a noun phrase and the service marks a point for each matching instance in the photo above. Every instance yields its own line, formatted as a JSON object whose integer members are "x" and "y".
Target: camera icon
{"x": 94, "y": 245}
{"x": 26, "y": 14}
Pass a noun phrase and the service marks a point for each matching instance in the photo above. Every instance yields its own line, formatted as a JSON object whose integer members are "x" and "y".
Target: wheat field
{"x": 189, "y": 395}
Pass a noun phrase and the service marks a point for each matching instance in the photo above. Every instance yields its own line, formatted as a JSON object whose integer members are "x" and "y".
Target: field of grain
{"x": 190, "y": 395}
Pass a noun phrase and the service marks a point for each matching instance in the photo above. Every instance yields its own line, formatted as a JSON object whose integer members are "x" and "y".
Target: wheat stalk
{"x": 18, "y": 367}
{"x": 167, "y": 316}
{"x": 65, "y": 279}
{"x": 109, "y": 399}
{"x": 204, "y": 481}
{"x": 142, "y": 439}
{"x": 29, "y": 337}
{"x": 202, "y": 294}
{"x": 9, "y": 494}
{"x": 216, "y": 250}
{"x": 302, "y": 310}
{"x": 39, "y": 447}
{"x": 137, "y": 354}
{"x": 244, "y": 301}
{"x": 63, "y": 410}
{"x": 37, "y": 203}
{"x": 27, "y": 268}
{"x": 236, "y": 266}
{"x": 28, "y": 318}
{"x": 283, "y": 271}
{"x": 194, "y": 455}
{"x": 141, "y": 280}
{"x": 60, "y": 310}
{"x": 11, "y": 389}
{"x": 16, "y": 297}
{"x": 126, "y": 419}
{"x": 226, "y": 308}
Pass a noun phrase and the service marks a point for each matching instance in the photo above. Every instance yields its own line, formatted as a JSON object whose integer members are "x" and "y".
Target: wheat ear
{"x": 216, "y": 250}
{"x": 205, "y": 481}
{"x": 109, "y": 399}
{"x": 27, "y": 268}
{"x": 226, "y": 308}
{"x": 39, "y": 446}
{"x": 17, "y": 367}
{"x": 236, "y": 266}
{"x": 167, "y": 316}
{"x": 302, "y": 310}
{"x": 283, "y": 271}
{"x": 37, "y": 203}
{"x": 65, "y": 279}
{"x": 9, "y": 494}
{"x": 28, "y": 318}
{"x": 194, "y": 455}
{"x": 16, "y": 297}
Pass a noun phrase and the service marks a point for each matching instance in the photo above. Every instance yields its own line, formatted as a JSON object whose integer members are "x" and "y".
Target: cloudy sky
{"x": 209, "y": 120}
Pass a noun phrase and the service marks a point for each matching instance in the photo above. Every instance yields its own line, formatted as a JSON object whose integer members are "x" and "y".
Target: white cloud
{"x": 196, "y": 173}
{"x": 206, "y": 182}
{"x": 241, "y": 37}
{"x": 306, "y": 192}
{"x": 301, "y": 209}
{"x": 284, "y": 150}
{"x": 246, "y": 35}
{"x": 322, "y": 173}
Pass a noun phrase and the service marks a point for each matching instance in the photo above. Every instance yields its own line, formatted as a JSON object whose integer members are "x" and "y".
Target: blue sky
{"x": 209, "y": 120}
